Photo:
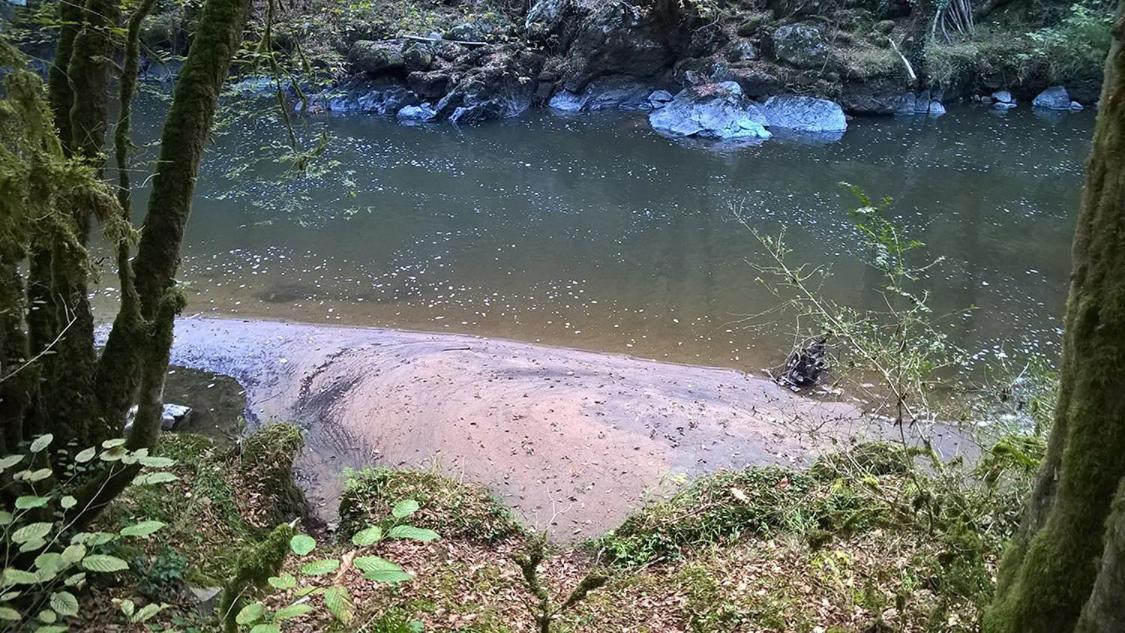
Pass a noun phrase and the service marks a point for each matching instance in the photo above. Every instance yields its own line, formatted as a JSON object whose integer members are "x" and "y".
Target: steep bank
{"x": 488, "y": 59}
{"x": 572, "y": 440}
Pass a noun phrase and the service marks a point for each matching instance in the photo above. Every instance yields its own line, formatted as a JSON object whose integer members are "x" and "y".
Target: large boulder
{"x": 617, "y": 38}
{"x": 500, "y": 88}
{"x": 376, "y": 58}
{"x": 546, "y": 16}
{"x": 1053, "y": 98}
{"x": 880, "y": 96}
{"x": 801, "y": 45}
{"x": 608, "y": 93}
{"x": 804, "y": 114}
{"x": 433, "y": 84}
{"x": 717, "y": 111}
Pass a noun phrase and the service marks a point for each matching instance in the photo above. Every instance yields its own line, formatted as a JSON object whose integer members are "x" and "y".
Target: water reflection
{"x": 595, "y": 232}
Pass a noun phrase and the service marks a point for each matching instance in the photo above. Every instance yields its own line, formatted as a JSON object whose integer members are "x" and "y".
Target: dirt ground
{"x": 571, "y": 440}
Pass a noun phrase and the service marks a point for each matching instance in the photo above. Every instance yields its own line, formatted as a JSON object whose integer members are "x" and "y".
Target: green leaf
{"x": 13, "y": 576}
{"x": 265, "y": 628}
{"x": 33, "y": 545}
{"x": 282, "y": 582}
{"x": 46, "y": 616}
{"x": 114, "y": 443}
{"x": 413, "y": 533}
{"x": 404, "y": 508}
{"x": 6, "y": 518}
{"x": 31, "y": 532}
{"x": 38, "y": 475}
{"x": 319, "y": 567}
{"x": 152, "y": 479}
{"x": 64, "y": 603}
{"x": 93, "y": 539}
{"x": 380, "y": 570}
{"x": 144, "y": 528}
{"x": 68, "y": 502}
{"x": 8, "y": 596}
{"x": 302, "y": 544}
{"x": 86, "y": 455}
{"x": 9, "y": 614}
{"x": 128, "y": 607}
{"x": 113, "y": 455}
{"x": 250, "y": 614}
{"x": 104, "y": 564}
{"x": 75, "y": 580}
{"x": 42, "y": 442}
{"x": 369, "y": 536}
{"x": 51, "y": 628}
{"x": 49, "y": 562}
{"x": 339, "y": 604}
{"x": 28, "y": 502}
{"x": 146, "y": 612}
{"x": 291, "y": 611}
{"x": 9, "y": 461}
{"x": 156, "y": 462}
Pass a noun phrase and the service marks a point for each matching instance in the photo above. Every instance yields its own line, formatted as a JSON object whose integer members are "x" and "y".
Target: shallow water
{"x": 595, "y": 232}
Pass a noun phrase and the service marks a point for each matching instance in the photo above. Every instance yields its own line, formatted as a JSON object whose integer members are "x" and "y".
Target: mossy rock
{"x": 266, "y": 466}
{"x": 713, "y": 509}
{"x": 453, "y": 509}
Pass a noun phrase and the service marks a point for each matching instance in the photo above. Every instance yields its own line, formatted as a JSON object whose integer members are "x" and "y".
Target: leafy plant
{"x": 1076, "y": 47}
{"x": 334, "y": 598}
{"x": 45, "y": 559}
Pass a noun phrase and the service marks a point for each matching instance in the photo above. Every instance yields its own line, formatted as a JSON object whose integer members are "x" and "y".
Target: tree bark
{"x": 1105, "y": 611}
{"x": 1049, "y": 572}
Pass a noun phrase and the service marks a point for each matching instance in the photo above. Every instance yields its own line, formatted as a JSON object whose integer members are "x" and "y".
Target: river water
{"x": 594, "y": 232}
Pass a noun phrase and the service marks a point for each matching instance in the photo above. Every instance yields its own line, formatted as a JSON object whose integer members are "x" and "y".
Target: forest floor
{"x": 573, "y": 441}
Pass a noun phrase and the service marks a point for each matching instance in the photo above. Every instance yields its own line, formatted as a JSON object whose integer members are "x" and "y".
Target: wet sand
{"x": 571, "y": 440}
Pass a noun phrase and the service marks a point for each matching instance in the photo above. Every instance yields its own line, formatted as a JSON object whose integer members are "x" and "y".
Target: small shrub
{"x": 454, "y": 509}
{"x": 266, "y": 465}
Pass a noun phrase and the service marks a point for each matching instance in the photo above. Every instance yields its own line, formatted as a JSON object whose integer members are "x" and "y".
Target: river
{"x": 594, "y": 232}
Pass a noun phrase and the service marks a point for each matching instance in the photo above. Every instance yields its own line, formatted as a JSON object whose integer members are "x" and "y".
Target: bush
{"x": 454, "y": 509}
{"x": 1076, "y": 47}
{"x": 266, "y": 465}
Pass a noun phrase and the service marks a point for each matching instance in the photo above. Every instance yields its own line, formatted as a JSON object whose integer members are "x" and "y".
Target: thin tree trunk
{"x": 1105, "y": 612}
{"x": 1048, "y": 574}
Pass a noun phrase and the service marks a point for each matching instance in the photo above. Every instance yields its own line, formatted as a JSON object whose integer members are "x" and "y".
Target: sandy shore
{"x": 571, "y": 440}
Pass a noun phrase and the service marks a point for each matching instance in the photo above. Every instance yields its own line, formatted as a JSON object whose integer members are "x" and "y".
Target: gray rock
{"x": 429, "y": 85}
{"x": 386, "y": 101}
{"x": 610, "y": 93}
{"x": 417, "y": 59}
{"x": 617, "y": 38}
{"x": 717, "y": 111}
{"x": 1002, "y": 96}
{"x": 804, "y": 114}
{"x": 478, "y": 112}
{"x": 207, "y": 598}
{"x": 1003, "y": 105}
{"x": 171, "y": 418}
{"x": 740, "y": 50}
{"x": 936, "y": 109}
{"x": 660, "y": 98}
{"x": 878, "y": 96}
{"x": 546, "y": 16}
{"x": 567, "y": 101}
{"x": 416, "y": 114}
{"x": 1075, "y": 106}
{"x": 375, "y": 58}
{"x": 1053, "y": 98}
{"x": 801, "y": 45}
{"x": 908, "y": 105}
{"x": 922, "y": 102}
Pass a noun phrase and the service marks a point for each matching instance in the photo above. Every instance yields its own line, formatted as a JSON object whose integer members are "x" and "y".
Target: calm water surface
{"x": 594, "y": 232}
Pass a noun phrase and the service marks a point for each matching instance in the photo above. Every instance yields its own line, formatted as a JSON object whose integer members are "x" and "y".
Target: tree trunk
{"x": 1105, "y": 612}
{"x": 136, "y": 355}
{"x": 1049, "y": 572}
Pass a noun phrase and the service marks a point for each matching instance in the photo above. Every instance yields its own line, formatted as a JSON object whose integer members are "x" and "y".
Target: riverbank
{"x": 572, "y": 440}
{"x": 468, "y": 62}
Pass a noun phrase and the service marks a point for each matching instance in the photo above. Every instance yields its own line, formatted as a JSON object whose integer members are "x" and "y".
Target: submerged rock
{"x": 1053, "y": 98}
{"x": 718, "y": 111}
{"x": 804, "y": 114}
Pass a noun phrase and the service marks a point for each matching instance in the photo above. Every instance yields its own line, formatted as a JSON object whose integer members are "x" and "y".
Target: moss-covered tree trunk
{"x": 1048, "y": 575}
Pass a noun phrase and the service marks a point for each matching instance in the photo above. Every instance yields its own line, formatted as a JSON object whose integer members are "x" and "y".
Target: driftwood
{"x": 419, "y": 38}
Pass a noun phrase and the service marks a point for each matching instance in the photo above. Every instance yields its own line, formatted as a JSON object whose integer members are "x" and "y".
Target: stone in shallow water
{"x": 936, "y": 109}
{"x": 1003, "y": 96}
{"x": 804, "y": 114}
{"x": 416, "y": 114}
{"x": 718, "y": 111}
{"x": 611, "y": 93}
{"x": 1053, "y": 98}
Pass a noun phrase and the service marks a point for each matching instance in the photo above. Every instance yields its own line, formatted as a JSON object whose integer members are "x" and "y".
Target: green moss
{"x": 455, "y": 510}
{"x": 266, "y": 466}
{"x": 256, "y": 563}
